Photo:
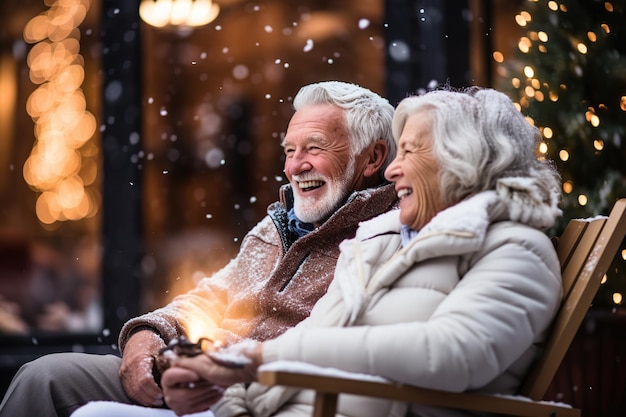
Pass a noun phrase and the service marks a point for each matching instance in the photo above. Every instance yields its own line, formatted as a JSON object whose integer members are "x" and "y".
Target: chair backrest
{"x": 585, "y": 249}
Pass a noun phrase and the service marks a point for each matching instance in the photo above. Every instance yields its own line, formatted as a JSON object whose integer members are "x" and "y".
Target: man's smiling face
{"x": 319, "y": 162}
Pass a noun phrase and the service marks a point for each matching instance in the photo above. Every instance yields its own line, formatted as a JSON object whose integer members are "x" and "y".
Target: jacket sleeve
{"x": 260, "y": 401}
{"x": 208, "y": 301}
{"x": 503, "y": 304}
{"x": 233, "y": 402}
{"x": 205, "y": 304}
{"x": 256, "y": 400}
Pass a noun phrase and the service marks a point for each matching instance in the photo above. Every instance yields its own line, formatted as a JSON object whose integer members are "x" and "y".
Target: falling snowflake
{"x": 309, "y": 45}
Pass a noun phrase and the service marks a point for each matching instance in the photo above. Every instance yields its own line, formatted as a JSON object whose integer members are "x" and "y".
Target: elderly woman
{"x": 453, "y": 291}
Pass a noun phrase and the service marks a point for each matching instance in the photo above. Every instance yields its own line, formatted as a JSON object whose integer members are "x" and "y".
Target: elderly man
{"x": 337, "y": 146}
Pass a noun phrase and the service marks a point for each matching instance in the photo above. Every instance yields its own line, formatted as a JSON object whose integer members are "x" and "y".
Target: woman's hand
{"x": 186, "y": 392}
{"x": 193, "y": 384}
{"x": 218, "y": 368}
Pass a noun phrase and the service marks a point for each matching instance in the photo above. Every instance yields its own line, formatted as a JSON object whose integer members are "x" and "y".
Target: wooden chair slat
{"x": 566, "y": 243}
{"x": 579, "y": 255}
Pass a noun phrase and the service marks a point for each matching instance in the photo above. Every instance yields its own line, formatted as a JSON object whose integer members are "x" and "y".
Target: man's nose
{"x": 298, "y": 163}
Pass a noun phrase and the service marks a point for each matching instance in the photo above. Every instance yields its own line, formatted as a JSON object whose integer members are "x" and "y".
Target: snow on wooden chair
{"x": 585, "y": 250}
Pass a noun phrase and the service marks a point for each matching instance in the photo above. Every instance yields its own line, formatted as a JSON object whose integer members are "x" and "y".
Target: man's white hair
{"x": 368, "y": 116}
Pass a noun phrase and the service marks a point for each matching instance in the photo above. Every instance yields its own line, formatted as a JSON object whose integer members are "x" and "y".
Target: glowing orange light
{"x": 547, "y": 132}
{"x": 553, "y": 95}
{"x": 543, "y": 148}
{"x": 529, "y": 91}
{"x": 568, "y": 187}
{"x": 524, "y": 44}
{"x": 529, "y": 71}
{"x": 598, "y": 144}
{"x": 56, "y": 165}
{"x": 186, "y": 13}
{"x": 535, "y": 83}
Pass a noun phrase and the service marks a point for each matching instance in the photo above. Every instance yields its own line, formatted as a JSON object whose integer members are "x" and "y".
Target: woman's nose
{"x": 392, "y": 171}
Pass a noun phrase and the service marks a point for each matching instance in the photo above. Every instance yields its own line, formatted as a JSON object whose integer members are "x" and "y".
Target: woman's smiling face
{"x": 415, "y": 172}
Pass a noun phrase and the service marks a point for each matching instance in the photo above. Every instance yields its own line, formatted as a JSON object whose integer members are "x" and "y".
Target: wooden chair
{"x": 585, "y": 250}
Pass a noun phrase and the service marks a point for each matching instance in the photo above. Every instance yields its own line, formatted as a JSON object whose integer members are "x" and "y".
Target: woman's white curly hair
{"x": 484, "y": 143}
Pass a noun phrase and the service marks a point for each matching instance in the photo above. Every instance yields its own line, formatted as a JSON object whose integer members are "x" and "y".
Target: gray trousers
{"x": 57, "y": 384}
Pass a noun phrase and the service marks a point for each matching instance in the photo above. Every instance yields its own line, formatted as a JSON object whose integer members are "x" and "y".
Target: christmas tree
{"x": 569, "y": 78}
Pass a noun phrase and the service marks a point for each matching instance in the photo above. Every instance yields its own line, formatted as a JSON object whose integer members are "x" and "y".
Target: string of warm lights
{"x": 531, "y": 88}
{"x": 62, "y": 165}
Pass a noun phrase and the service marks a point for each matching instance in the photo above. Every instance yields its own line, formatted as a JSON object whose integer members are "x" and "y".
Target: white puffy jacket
{"x": 462, "y": 307}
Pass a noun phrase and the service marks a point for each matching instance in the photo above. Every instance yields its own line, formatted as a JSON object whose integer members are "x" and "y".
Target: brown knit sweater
{"x": 272, "y": 283}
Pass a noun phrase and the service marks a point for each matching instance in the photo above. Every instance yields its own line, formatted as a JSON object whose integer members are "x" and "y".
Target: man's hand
{"x": 186, "y": 393}
{"x": 136, "y": 368}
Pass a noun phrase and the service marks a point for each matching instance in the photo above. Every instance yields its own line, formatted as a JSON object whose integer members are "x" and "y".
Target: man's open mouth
{"x": 310, "y": 185}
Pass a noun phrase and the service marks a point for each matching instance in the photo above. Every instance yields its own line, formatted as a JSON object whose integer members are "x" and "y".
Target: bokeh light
{"x": 61, "y": 164}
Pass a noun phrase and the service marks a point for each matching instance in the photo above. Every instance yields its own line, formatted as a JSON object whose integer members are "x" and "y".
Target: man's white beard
{"x": 317, "y": 210}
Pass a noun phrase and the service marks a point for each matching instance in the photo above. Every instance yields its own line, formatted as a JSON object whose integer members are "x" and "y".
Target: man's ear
{"x": 377, "y": 154}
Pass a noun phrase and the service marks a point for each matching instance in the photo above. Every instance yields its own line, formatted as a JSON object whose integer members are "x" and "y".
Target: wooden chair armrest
{"x": 329, "y": 387}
